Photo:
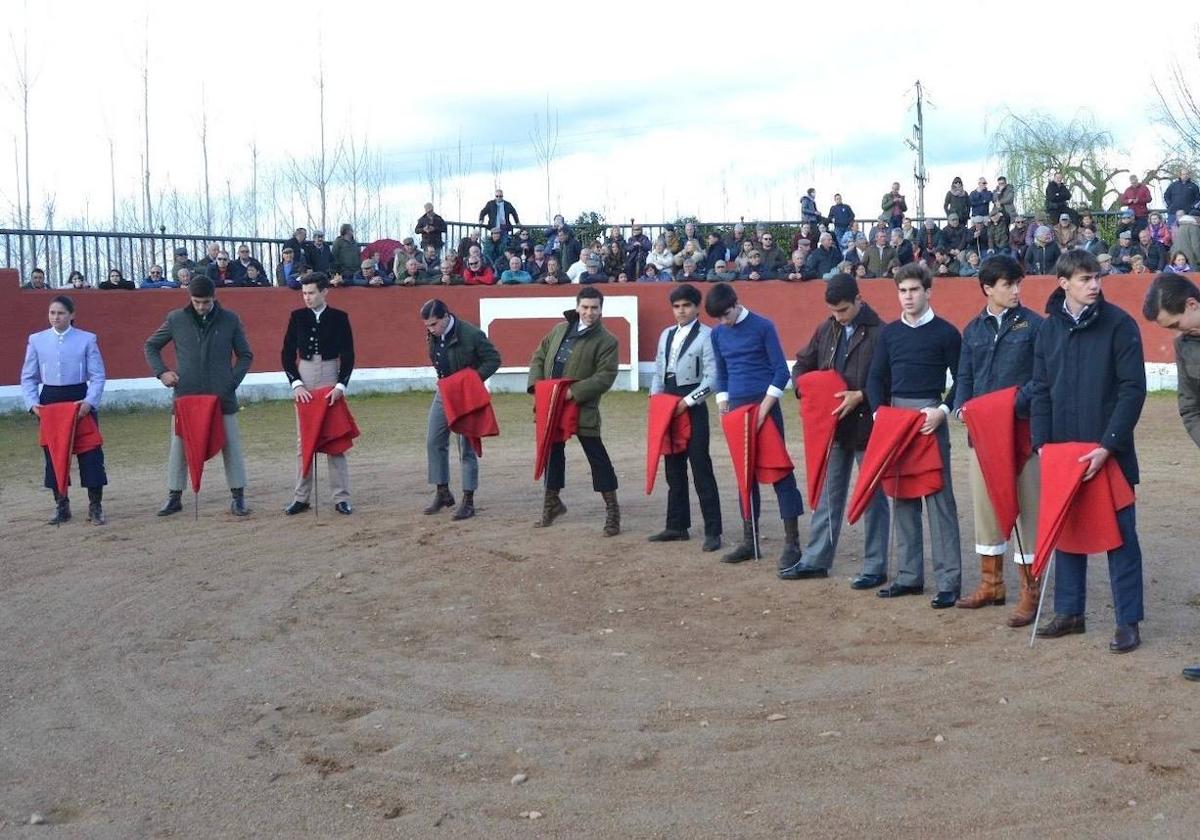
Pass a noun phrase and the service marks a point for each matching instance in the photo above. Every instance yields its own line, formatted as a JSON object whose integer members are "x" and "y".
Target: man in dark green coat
{"x": 580, "y": 348}
{"x": 453, "y": 345}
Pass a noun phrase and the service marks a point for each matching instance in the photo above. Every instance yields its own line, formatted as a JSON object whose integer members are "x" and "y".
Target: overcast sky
{"x": 717, "y": 111}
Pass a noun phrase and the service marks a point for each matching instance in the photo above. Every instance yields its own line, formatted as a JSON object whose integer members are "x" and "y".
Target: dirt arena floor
{"x": 389, "y": 674}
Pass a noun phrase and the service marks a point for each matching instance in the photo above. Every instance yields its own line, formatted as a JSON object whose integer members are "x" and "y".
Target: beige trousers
{"x": 318, "y": 373}
{"x": 988, "y": 539}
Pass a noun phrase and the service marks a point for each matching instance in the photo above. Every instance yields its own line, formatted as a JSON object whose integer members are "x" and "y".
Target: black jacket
{"x": 1089, "y": 380}
{"x": 330, "y": 338}
{"x": 994, "y": 359}
{"x": 436, "y": 235}
{"x": 488, "y": 215}
{"x": 464, "y": 346}
{"x": 820, "y": 262}
{"x": 1040, "y": 259}
{"x": 1058, "y": 199}
{"x": 952, "y": 237}
{"x": 854, "y": 430}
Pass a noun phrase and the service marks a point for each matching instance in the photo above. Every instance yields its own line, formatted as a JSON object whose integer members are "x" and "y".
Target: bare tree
{"x": 497, "y": 166}
{"x": 208, "y": 216}
{"x": 1178, "y": 109}
{"x": 112, "y": 177}
{"x": 146, "y": 123}
{"x": 435, "y": 174}
{"x": 355, "y": 164}
{"x": 462, "y": 168}
{"x": 254, "y": 187}
{"x": 24, "y": 82}
{"x": 317, "y": 173}
{"x": 544, "y": 138}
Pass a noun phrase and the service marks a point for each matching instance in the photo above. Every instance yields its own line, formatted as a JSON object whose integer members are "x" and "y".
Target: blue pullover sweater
{"x": 750, "y": 359}
{"x": 911, "y": 362}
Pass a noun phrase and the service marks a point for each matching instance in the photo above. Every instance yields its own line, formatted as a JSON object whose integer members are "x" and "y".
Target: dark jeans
{"x": 1124, "y": 575}
{"x": 679, "y": 506}
{"x": 791, "y": 505}
{"x": 604, "y": 478}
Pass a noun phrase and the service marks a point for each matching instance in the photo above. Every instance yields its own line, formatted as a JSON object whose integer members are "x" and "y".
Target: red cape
{"x": 1077, "y": 516}
{"x": 757, "y": 458}
{"x": 1002, "y": 446}
{"x": 555, "y": 419}
{"x": 666, "y": 433}
{"x": 325, "y": 428}
{"x": 817, "y": 407}
{"x": 906, "y": 463}
{"x": 62, "y": 433}
{"x": 468, "y": 407}
{"x": 198, "y": 422}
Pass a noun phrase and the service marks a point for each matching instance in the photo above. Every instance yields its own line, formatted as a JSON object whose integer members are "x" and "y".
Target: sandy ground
{"x": 387, "y": 674}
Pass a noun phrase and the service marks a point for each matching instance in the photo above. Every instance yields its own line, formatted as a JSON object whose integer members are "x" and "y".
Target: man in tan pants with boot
{"x": 318, "y": 351}
{"x": 997, "y": 353}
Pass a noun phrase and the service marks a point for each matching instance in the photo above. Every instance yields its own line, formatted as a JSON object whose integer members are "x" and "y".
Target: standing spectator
{"x": 1137, "y": 198}
{"x": 1182, "y": 195}
{"x": 1005, "y": 199}
{"x": 1058, "y": 197}
{"x": 1187, "y": 239}
{"x": 957, "y": 202}
{"x": 117, "y": 281}
{"x": 181, "y": 260}
{"x": 346, "y": 253}
{"x": 37, "y": 280}
{"x": 808, "y": 207}
{"x": 841, "y": 216}
{"x": 299, "y": 244}
{"x": 499, "y": 213}
{"x": 210, "y": 256}
{"x": 980, "y": 199}
{"x": 432, "y": 229}
{"x": 319, "y": 256}
{"x": 894, "y": 205}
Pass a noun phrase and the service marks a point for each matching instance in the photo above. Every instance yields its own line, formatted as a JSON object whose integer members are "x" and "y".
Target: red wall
{"x": 388, "y": 332}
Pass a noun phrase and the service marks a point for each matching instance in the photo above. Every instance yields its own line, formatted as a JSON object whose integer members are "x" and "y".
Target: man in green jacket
{"x": 453, "y": 345}
{"x": 580, "y": 348}
{"x": 347, "y": 257}
{"x": 205, "y": 336}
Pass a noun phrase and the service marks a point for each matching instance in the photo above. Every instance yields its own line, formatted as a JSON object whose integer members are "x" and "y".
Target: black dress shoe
{"x": 1125, "y": 639}
{"x": 1192, "y": 672}
{"x": 897, "y": 590}
{"x": 868, "y": 581}
{"x": 712, "y": 542}
{"x": 669, "y": 535}
{"x": 943, "y": 599}
{"x": 296, "y": 507}
{"x": 343, "y": 508}
{"x": 1061, "y": 625}
{"x": 802, "y": 571}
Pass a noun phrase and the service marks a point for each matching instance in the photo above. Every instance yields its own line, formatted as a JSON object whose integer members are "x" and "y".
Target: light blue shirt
{"x": 68, "y": 358}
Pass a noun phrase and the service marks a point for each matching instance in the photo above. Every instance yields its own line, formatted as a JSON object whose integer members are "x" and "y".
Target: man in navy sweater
{"x": 1089, "y": 384}
{"x": 909, "y": 370}
{"x": 751, "y": 368}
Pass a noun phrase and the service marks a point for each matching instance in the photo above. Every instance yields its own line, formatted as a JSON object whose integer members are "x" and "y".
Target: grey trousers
{"x": 827, "y": 516}
{"x": 235, "y": 464}
{"x": 437, "y": 450}
{"x": 943, "y": 527}
{"x": 318, "y": 373}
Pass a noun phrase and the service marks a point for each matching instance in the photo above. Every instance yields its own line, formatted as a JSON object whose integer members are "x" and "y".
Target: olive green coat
{"x": 593, "y": 363}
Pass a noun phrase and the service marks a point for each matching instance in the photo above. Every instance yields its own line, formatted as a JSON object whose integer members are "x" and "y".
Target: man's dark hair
{"x": 347, "y": 228}
{"x": 1076, "y": 260}
{"x": 719, "y": 300}
{"x": 37, "y": 271}
{"x": 201, "y": 287}
{"x": 318, "y": 278}
{"x": 590, "y": 293}
{"x": 841, "y": 288}
{"x": 1000, "y": 267}
{"x": 434, "y": 308}
{"x": 685, "y": 291}
{"x": 1168, "y": 293}
{"x": 914, "y": 271}
{"x": 69, "y": 304}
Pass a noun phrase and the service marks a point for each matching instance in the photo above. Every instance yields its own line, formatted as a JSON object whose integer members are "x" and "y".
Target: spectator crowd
{"x": 980, "y": 223}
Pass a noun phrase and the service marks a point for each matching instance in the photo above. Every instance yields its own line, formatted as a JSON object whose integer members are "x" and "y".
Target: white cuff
{"x": 945, "y": 409}
{"x": 723, "y": 397}
{"x": 296, "y": 383}
{"x": 772, "y": 391}
{"x": 992, "y": 550}
{"x": 688, "y": 401}
{"x": 340, "y": 387}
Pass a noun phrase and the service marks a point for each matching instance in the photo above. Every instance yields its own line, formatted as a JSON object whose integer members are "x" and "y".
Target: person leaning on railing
{"x": 156, "y": 280}
{"x": 37, "y": 280}
{"x": 116, "y": 280}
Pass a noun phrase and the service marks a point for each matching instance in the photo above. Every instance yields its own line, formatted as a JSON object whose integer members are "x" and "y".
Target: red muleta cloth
{"x": 199, "y": 424}
{"x": 901, "y": 460}
{"x": 1077, "y": 516}
{"x": 758, "y": 457}
{"x": 817, "y": 407}
{"x": 325, "y": 428}
{"x": 468, "y": 407}
{"x": 555, "y": 419}
{"x": 1002, "y": 446}
{"x": 62, "y": 432}
{"x": 666, "y": 433}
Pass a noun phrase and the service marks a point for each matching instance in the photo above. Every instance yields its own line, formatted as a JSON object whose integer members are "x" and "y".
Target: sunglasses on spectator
{"x": 156, "y": 272}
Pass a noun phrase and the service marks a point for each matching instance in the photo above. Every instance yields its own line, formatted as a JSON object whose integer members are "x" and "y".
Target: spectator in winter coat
{"x": 944, "y": 264}
{"x": 1160, "y": 231}
{"x": 1066, "y": 233}
{"x": 412, "y": 274}
{"x": 1058, "y": 197}
{"x": 794, "y": 270}
{"x": 841, "y": 216}
{"x": 901, "y": 247}
{"x": 116, "y": 280}
{"x": 1182, "y": 195}
{"x": 824, "y": 259}
{"x": 346, "y": 253}
{"x": 369, "y": 275}
{"x": 447, "y": 274}
{"x": 155, "y": 280}
{"x": 1041, "y": 256}
{"x": 536, "y": 265}
{"x": 499, "y": 213}
{"x": 1179, "y": 264}
{"x": 1187, "y": 239}
{"x": 661, "y": 258}
{"x": 953, "y": 236}
{"x": 432, "y": 229}
{"x": 971, "y": 267}
{"x": 907, "y": 230}
{"x": 773, "y": 258}
{"x": 493, "y": 247}
{"x": 980, "y": 199}
{"x": 722, "y": 272}
{"x": 957, "y": 202}
{"x": 976, "y": 239}
{"x": 879, "y": 256}
{"x": 755, "y": 270}
{"x": 1155, "y": 255}
{"x": 856, "y": 254}
{"x": 637, "y": 249}
{"x": 1105, "y": 262}
{"x": 926, "y": 240}
{"x": 894, "y": 205}
{"x": 515, "y": 274}
{"x": 478, "y": 273}
{"x": 1137, "y": 198}
{"x": 319, "y": 256}
{"x": 1122, "y": 253}
{"x": 554, "y": 275}
{"x": 1004, "y": 199}
{"x": 1018, "y": 238}
{"x": 998, "y": 233}
{"x": 288, "y": 272}
{"x": 808, "y": 207}
{"x": 1091, "y": 243}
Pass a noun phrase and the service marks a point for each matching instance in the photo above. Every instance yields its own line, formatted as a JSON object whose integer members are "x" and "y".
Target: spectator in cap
{"x": 926, "y": 241}
{"x": 998, "y": 233}
{"x": 953, "y": 236}
{"x": 288, "y": 272}
{"x": 318, "y": 256}
{"x": 536, "y": 264}
{"x": 1122, "y": 253}
{"x": 369, "y": 275}
{"x": 593, "y": 272}
{"x": 976, "y": 239}
{"x": 1136, "y": 199}
{"x": 181, "y": 260}
{"x": 1106, "y": 268}
{"x": 1065, "y": 232}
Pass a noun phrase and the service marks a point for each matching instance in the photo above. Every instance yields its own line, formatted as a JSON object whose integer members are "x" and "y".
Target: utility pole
{"x": 917, "y": 144}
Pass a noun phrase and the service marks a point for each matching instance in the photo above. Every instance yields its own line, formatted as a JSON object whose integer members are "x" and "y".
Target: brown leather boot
{"x": 1027, "y": 602}
{"x": 612, "y": 513}
{"x": 552, "y": 508}
{"x": 990, "y": 591}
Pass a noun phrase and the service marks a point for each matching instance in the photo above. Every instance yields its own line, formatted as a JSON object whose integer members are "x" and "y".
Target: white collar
{"x": 920, "y": 322}
{"x": 686, "y": 326}
{"x": 317, "y": 312}
{"x": 742, "y": 315}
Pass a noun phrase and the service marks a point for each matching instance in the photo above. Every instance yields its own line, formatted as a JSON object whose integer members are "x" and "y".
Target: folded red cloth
{"x": 1077, "y": 516}
{"x": 1002, "y": 446}
{"x": 62, "y": 433}
{"x": 901, "y": 460}
{"x": 667, "y": 433}
{"x": 199, "y": 424}
{"x": 817, "y": 407}
{"x": 468, "y": 407}
{"x": 324, "y": 428}
{"x": 758, "y": 457}
{"x": 556, "y": 419}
